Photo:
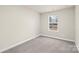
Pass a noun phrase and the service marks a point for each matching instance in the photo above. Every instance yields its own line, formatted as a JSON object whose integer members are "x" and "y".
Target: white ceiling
{"x": 47, "y": 8}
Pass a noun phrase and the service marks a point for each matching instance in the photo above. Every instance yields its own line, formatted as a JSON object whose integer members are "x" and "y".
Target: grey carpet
{"x": 44, "y": 45}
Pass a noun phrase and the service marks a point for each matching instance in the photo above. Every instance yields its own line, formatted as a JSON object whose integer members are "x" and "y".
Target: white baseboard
{"x": 14, "y": 45}
{"x": 57, "y": 37}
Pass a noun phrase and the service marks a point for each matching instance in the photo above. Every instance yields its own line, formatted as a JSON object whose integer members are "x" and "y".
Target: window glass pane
{"x": 53, "y": 22}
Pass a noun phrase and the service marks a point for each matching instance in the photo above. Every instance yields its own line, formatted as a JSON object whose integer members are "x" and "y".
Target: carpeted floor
{"x": 44, "y": 45}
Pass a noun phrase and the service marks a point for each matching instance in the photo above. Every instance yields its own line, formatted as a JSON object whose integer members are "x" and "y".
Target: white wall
{"x": 66, "y": 27}
{"x": 17, "y": 23}
{"x": 77, "y": 25}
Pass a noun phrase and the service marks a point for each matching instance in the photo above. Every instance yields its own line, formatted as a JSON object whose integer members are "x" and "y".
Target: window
{"x": 53, "y": 23}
